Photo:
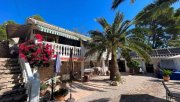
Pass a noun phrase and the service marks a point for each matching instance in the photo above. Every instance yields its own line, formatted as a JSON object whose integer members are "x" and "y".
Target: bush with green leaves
{"x": 166, "y": 72}
{"x": 43, "y": 86}
{"x": 133, "y": 64}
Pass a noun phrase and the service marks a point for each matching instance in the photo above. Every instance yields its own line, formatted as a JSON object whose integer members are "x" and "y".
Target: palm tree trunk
{"x": 114, "y": 70}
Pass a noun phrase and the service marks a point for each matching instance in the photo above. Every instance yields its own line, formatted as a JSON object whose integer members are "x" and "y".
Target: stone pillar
{"x": 126, "y": 67}
{"x": 143, "y": 65}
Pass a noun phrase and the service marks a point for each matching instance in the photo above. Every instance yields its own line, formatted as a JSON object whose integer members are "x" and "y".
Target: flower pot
{"x": 166, "y": 78}
{"x": 42, "y": 92}
{"x": 131, "y": 71}
{"x": 60, "y": 98}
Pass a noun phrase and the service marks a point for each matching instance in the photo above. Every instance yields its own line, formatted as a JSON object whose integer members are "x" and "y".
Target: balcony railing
{"x": 64, "y": 50}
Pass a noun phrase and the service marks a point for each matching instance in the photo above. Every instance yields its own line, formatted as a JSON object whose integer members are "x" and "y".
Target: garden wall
{"x": 47, "y": 72}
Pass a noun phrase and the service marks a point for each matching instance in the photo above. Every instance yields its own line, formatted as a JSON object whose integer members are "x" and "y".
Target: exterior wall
{"x": 177, "y": 63}
{"x": 155, "y": 62}
{"x": 46, "y": 73}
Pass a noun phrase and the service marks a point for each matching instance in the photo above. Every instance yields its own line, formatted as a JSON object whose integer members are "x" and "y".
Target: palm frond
{"x": 96, "y": 35}
{"x": 103, "y": 23}
{"x": 116, "y": 3}
{"x": 117, "y": 21}
{"x": 141, "y": 52}
{"x": 139, "y": 42}
{"x": 124, "y": 26}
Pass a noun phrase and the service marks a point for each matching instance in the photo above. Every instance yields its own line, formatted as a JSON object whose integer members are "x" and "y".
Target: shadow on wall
{"x": 140, "y": 98}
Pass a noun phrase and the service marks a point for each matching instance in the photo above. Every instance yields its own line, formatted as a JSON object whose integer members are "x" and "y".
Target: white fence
{"x": 64, "y": 50}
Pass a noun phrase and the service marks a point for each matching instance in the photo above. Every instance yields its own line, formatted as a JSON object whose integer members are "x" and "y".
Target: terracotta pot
{"x": 166, "y": 78}
{"x": 131, "y": 70}
{"x": 60, "y": 98}
{"x": 42, "y": 92}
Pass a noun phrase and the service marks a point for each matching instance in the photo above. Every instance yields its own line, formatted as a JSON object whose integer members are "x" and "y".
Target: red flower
{"x": 39, "y": 37}
{"x": 22, "y": 56}
{"x": 35, "y": 54}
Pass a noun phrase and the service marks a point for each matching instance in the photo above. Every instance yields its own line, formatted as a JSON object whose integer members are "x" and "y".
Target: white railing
{"x": 32, "y": 82}
{"x": 64, "y": 50}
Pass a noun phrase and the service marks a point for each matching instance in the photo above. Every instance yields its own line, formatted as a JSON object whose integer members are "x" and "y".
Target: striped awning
{"x": 55, "y": 32}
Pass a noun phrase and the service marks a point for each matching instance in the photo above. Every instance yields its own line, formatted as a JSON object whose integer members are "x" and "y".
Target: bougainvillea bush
{"x": 37, "y": 54}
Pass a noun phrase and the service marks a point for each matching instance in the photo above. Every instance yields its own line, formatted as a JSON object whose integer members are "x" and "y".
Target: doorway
{"x": 121, "y": 64}
{"x": 149, "y": 68}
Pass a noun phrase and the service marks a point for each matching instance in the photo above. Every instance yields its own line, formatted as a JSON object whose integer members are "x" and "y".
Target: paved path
{"x": 134, "y": 89}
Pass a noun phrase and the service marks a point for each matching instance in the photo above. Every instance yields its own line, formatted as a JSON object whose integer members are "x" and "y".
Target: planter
{"x": 131, "y": 71}
{"x": 60, "y": 98}
{"x": 86, "y": 78}
{"x": 42, "y": 92}
{"x": 166, "y": 78}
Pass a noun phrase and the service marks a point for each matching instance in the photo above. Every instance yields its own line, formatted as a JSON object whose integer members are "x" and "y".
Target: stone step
{"x": 11, "y": 91}
{"x": 9, "y": 67}
{"x": 11, "y": 85}
{"x": 10, "y": 71}
{"x": 9, "y": 64}
{"x": 10, "y": 80}
{"x": 9, "y": 59}
{"x": 17, "y": 98}
{"x": 13, "y": 76}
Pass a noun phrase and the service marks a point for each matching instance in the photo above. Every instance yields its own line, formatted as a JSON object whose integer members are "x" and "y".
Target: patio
{"x": 134, "y": 87}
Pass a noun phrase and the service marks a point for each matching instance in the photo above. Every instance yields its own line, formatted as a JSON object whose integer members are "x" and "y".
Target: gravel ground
{"x": 135, "y": 88}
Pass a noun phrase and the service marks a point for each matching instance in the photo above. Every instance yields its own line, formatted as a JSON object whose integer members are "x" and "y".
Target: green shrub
{"x": 133, "y": 64}
{"x": 43, "y": 86}
{"x": 166, "y": 72}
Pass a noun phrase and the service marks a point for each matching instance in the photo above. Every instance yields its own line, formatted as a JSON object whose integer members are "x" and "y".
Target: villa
{"x": 62, "y": 41}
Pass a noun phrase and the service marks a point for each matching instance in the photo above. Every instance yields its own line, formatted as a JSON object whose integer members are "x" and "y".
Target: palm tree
{"x": 115, "y": 36}
{"x": 116, "y": 3}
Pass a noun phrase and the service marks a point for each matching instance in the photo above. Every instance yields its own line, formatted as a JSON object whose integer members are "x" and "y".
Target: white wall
{"x": 177, "y": 63}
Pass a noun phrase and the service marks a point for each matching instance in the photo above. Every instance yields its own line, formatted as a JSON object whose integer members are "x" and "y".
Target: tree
{"x": 38, "y": 17}
{"x": 115, "y": 36}
{"x": 3, "y": 34}
{"x": 161, "y": 4}
{"x": 157, "y": 30}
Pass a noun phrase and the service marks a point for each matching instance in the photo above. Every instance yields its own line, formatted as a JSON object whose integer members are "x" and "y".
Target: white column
{"x": 143, "y": 65}
{"x": 126, "y": 67}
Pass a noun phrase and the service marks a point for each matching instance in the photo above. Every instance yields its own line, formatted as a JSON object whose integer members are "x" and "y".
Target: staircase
{"x": 11, "y": 82}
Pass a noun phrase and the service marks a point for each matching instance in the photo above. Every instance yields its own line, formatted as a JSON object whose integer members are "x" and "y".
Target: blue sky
{"x": 69, "y": 14}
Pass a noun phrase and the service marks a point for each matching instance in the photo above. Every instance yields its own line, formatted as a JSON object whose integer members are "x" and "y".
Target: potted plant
{"x": 43, "y": 89}
{"x": 61, "y": 94}
{"x": 166, "y": 74}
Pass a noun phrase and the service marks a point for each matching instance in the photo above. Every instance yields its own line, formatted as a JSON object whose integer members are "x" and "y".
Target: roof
{"x": 166, "y": 52}
{"x": 48, "y": 28}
